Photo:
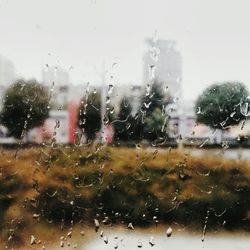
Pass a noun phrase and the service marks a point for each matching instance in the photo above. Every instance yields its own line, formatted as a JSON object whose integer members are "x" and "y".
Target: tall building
{"x": 163, "y": 62}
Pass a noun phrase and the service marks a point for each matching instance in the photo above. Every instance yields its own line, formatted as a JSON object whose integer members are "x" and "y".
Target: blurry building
{"x": 57, "y": 80}
{"x": 7, "y": 75}
{"x": 182, "y": 123}
{"x": 7, "y": 71}
{"x": 56, "y": 129}
{"x": 132, "y": 92}
{"x": 163, "y": 62}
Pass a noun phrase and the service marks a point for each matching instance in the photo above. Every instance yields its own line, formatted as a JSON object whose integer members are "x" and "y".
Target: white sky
{"x": 212, "y": 35}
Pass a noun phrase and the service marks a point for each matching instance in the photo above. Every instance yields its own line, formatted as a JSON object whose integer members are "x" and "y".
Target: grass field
{"x": 44, "y": 189}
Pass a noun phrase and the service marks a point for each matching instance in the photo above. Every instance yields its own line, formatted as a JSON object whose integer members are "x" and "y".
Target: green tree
{"x": 25, "y": 106}
{"x": 89, "y": 115}
{"x": 155, "y": 125}
{"x": 123, "y": 123}
{"x": 154, "y": 98}
{"x": 152, "y": 118}
{"x": 221, "y": 105}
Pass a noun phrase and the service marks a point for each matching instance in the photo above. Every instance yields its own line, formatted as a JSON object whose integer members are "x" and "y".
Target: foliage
{"x": 125, "y": 122}
{"x": 154, "y": 98}
{"x": 25, "y": 106}
{"x": 152, "y": 121}
{"x": 155, "y": 124}
{"x": 109, "y": 115}
{"x": 220, "y": 105}
{"x": 169, "y": 185}
{"x": 89, "y": 116}
{"x": 124, "y": 185}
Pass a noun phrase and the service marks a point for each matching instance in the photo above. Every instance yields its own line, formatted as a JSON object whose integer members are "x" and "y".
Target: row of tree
{"x": 149, "y": 122}
{"x": 26, "y": 105}
{"x": 220, "y": 106}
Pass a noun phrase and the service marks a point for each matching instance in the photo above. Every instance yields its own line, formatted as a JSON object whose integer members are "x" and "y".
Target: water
{"x": 243, "y": 154}
{"x": 141, "y": 240}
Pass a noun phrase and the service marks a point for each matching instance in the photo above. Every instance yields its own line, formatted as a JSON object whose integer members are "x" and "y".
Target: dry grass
{"x": 70, "y": 185}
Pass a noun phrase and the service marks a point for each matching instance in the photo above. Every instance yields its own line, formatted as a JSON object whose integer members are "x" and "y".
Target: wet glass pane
{"x": 124, "y": 124}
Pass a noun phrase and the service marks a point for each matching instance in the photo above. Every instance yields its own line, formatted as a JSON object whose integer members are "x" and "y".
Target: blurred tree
{"x": 153, "y": 98}
{"x": 222, "y": 105}
{"x": 122, "y": 125}
{"x": 25, "y": 106}
{"x": 155, "y": 125}
{"x": 89, "y": 116}
{"x": 109, "y": 114}
{"x": 152, "y": 118}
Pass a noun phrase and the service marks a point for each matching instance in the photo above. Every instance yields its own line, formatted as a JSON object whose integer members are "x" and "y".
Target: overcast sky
{"x": 212, "y": 35}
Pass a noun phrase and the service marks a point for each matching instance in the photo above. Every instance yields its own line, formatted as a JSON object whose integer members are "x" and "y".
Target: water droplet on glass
{"x": 69, "y": 234}
{"x": 128, "y": 125}
{"x": 105, "y": 120}
{"x": 110, "y": 89}
{"x": 32, "y": 240}
{"x": 175, "y": 99}
{"x": 108, "y": 100}
{"x": 151, "y": 241}
{"x": 139, "y": 245}
{"x": 57, "y": 124}
{"x": 101, "y": 234}
{"x": 169, "y": 232}
{"x": 36, "y": 216}
{"x": 147, "y": 105}
{"x": 105, "y": 240}
{"x": 130, "y": 226}
{"x": 155, "y": 36}
{"x": 154, "y": 53}
{"x": 112, "y": 110}
{"x": 61, "y": 243}
{"x": 205, "y": 227}
{"x": 152, "y": 69}
{"x": 198, "y": 111}
{"x": 244, "y": 108}
{"x": 232, "y": 114}
{"x": 223, "y": 123}
{"x": 97, "y": 224}
{"x": 148, "y": 88}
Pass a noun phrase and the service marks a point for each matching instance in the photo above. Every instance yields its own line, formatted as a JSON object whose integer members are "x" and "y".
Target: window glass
{"x": 124, "y": 124}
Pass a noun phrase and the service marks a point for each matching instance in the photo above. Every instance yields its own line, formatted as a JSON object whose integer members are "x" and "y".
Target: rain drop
{"x": 151, "y": 241}
{"x": 97, "y": 224}
{"x": 152, "y": 69}
{"x": 107, "y": 100}
{"x": 32, "y": 240}
{"x": 105, "y": 240}
{"x": 169, "y": 232}
{"x": 139, "y": 245}
{"x": 110, "y": 89}
{"x": 130, "y": 226}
